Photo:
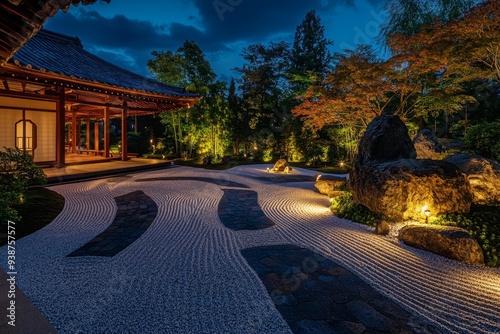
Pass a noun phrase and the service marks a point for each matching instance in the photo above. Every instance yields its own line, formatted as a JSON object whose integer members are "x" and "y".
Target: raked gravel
{"x": 185, "y": 274}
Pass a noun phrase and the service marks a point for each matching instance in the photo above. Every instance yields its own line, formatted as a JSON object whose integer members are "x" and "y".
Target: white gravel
{"x": 185, "y": 274}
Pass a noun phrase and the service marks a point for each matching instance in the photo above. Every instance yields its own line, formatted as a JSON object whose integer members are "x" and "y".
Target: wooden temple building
{"x": 50, "y": 85}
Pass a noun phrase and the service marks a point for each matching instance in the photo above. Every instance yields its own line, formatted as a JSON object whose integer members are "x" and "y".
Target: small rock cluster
{"x": 483, "y": 175}
{"x": 282, "y": 166}
{"x": 330, "y": 185}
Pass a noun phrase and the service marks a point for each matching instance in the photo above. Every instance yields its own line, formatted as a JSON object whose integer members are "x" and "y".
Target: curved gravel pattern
{"x": 185, "y": 274}
{"x": 136, "y": 211}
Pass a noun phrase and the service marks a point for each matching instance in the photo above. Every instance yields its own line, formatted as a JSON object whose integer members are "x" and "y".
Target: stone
{"x": 282, "y": 166}
{"x": 368, "y": 316}
{"x": 385, "y": 139}
{"x": 427, "y": 145}
{"x": 336, "y": 193}
{"x": 382, "y": 227}
{"x": 451, "y": 242}
{"x": 401, "y": 190}
{"x": 310, "y": 326}
{"x": 483, "y": 175}
{"x": 327, "y": 186}
{"x": 351, "y": 327}
{"x": 388, "y": 180}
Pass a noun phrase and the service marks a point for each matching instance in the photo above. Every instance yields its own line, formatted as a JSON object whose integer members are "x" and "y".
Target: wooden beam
{"x": 76, "y": 84}
{"x": 9, "y": 93}
{"x": 5, "y": 84}
{"x": 124, "y": 131}
{"x": 74, "y": 100}
{"x": 60, "y": 127}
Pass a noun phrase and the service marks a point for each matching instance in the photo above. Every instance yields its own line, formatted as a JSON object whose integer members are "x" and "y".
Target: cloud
{"x": 220, "y": 24}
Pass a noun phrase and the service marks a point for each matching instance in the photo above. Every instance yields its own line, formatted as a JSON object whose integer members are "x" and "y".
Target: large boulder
{"x": 451, "y": 242}
{"x": 427, "y": 145}
{"x": 401, "y": 190}
{"x": 388, "y": 180}
{"x": 385, "y": 139}
{"x": 483, "y": 175}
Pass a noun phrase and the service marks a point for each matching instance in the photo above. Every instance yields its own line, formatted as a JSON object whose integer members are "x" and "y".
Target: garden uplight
{"x": 427, "y": 214}
{"x": 318, "y": 177}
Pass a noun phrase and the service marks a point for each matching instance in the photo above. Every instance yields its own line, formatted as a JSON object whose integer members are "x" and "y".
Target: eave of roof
{"x": 61, "y": 58}
{"x": 22, "y": 19}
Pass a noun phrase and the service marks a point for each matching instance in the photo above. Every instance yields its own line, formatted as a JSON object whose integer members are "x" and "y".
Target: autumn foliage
{"x": 426, "y": 76}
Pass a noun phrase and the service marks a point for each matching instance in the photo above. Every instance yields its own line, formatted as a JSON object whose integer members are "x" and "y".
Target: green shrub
{"x": 343, "y": 206}
{"x": 17, "y": 172}
{"x": 40, "y": 207}
{"x": 483, "y": 139}
{"x": 483, "y": 223}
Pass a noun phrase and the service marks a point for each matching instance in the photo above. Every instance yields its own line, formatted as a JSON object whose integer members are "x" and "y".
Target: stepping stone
{"x": 136, "y": 212}
{"x": 240, "y": 210}
{"x": 319, "y": 296}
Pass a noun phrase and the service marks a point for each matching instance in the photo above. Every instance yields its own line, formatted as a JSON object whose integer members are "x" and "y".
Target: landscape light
{"x": 318, "y": 177}
{"x": 427, "y": 214}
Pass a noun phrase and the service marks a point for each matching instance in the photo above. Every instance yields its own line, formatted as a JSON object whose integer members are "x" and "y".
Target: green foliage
{"x": 412, "y": 129}
{"x": 483, "y": 139}
{"x": 310, "y": 58}
{"x": 17, "y": 172}
{"x": 408, "y": 16}
{"x": 343, "y": 206}
{"x": 483, "y": 223}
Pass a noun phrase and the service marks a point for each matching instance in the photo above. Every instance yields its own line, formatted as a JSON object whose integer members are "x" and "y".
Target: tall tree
{"x": 189, "y": 67}
{"x": 266, "y": 91}
{"x": 310, "y": 57}
{"x": 239, "y": 118}
{"x": 409, "y": 16}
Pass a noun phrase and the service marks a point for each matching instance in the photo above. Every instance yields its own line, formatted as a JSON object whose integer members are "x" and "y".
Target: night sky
{"x": 125, "y": 32}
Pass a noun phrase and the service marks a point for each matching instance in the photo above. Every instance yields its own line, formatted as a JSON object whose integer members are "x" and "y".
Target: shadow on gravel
{"x": 219, "y": 182}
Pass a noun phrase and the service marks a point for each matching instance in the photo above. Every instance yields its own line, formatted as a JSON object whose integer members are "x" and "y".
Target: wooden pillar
{"x": 73, "y": 132}
{"x": 68, "y": 135}
{"x": 96, "y": 136}
{"x": 124, "y": 131}
{"x": 87, "y": 134}
{"x": 79, "y": 133}
{"x": 106, "y": 132}
{"x": 60, "y": 129}
{"x": 135, "y": 124}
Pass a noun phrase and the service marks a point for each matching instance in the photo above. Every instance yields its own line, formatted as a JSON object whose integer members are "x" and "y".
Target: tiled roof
{"x": 22, "y": 19}
{"x": 52, "y": 52}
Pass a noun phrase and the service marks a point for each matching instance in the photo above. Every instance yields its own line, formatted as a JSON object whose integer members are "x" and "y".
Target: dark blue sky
{"x": 126, "y": 31}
